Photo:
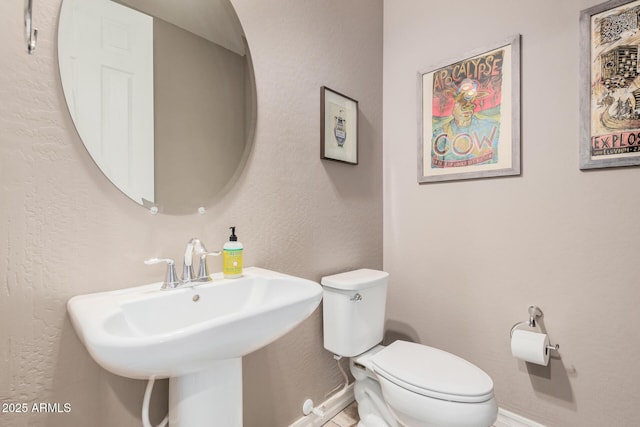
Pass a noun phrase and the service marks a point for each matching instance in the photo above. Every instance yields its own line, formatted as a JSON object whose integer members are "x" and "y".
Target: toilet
{"x": 405, "y": 383}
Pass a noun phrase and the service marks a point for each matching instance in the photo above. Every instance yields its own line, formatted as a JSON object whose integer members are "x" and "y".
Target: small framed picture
{"x": 338, "y": 127}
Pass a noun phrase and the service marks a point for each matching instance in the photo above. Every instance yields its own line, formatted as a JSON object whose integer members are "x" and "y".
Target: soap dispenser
{"x": 232, "y": 257}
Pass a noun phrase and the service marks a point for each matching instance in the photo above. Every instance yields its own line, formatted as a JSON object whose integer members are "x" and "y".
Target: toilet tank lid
{"x": 355, "y": 280}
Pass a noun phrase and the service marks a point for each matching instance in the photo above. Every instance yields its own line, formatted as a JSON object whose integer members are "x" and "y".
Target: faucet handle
{"x": 171, "y": 280}
{"x": 203, "y": 272}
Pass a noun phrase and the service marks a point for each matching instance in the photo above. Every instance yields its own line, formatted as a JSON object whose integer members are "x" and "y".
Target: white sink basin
{"x": 144, "y": 332}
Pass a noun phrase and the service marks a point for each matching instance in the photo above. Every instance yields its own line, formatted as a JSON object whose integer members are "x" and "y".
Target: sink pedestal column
{"x": 209, "y": 397}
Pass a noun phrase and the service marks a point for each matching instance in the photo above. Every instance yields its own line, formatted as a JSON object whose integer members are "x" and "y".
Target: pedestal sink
{"x": 193, "y": 335}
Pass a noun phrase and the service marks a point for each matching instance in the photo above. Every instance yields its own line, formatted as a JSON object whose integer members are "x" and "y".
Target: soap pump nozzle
{"x": 233, "y": 237}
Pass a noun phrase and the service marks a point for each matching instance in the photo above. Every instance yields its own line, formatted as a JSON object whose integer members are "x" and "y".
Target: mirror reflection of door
{"x": 110, "y": 55}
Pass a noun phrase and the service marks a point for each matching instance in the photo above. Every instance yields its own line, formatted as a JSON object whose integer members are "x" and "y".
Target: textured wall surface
{"x": 467, "y": 258}
{"x": 66, "y": 231}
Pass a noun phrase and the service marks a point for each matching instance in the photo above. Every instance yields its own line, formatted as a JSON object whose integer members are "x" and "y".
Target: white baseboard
{"x": 329, "y": 409}
{"x": 509, "y": 419}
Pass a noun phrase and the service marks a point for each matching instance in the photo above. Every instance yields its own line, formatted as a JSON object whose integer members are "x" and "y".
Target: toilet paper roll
{"x": 530, "y": 346}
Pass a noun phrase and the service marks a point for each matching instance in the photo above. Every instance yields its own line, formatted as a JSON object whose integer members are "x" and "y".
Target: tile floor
{"x": 347, "y": 418}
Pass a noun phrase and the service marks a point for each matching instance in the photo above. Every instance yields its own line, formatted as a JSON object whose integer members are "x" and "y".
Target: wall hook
{"x": 30, "y": 32}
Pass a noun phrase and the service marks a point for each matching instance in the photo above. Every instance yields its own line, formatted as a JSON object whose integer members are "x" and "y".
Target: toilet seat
{"x": 432, "y": 372}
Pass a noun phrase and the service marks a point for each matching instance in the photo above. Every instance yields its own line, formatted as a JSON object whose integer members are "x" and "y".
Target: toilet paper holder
{"x": 534, "y": 314}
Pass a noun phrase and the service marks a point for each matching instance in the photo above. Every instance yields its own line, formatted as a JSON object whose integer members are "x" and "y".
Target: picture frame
{"x": 469, "y": 115}
{"x": 609, "y": 132}
{"x": 338, "y": 127}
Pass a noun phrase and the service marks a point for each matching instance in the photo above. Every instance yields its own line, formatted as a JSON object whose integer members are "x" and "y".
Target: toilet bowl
{"x": 404, "y": 383}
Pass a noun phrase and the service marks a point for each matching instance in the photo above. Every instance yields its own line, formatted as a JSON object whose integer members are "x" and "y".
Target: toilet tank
{"x": 353, "y": 310}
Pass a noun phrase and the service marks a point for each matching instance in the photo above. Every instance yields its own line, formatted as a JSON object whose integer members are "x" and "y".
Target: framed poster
{"x": 609, "y": 85}
{"x": 338, "y": 127}
{"x": 469, "y": 115}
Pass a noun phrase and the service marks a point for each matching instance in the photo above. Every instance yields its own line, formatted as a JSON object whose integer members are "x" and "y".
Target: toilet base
{"x": 372, "y": 409}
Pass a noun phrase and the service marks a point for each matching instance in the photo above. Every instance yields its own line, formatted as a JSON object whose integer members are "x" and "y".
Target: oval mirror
{"x": 162, "y": 95}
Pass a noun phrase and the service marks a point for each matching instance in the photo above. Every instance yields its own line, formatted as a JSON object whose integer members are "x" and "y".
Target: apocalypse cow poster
{"x": 467, "y": 117}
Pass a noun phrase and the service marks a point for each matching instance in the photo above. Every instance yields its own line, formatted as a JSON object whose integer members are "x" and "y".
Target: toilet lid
{"x": 432, "y": 372}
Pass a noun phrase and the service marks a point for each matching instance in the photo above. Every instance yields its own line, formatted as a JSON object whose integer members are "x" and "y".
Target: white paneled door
{"x": 109, "y": 56}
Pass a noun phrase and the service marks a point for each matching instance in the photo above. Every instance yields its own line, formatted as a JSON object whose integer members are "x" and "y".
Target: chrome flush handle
{"x": 356, "y": 298}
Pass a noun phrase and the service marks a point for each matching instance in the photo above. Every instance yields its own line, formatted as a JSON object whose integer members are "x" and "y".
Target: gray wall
{"x": 200, "y": 111}
{"x": 467, "y": 258}
{"x": 65, "y": 230}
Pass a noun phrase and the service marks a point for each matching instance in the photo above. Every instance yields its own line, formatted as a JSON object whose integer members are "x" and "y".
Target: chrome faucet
{"x": 196, "y": 247}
